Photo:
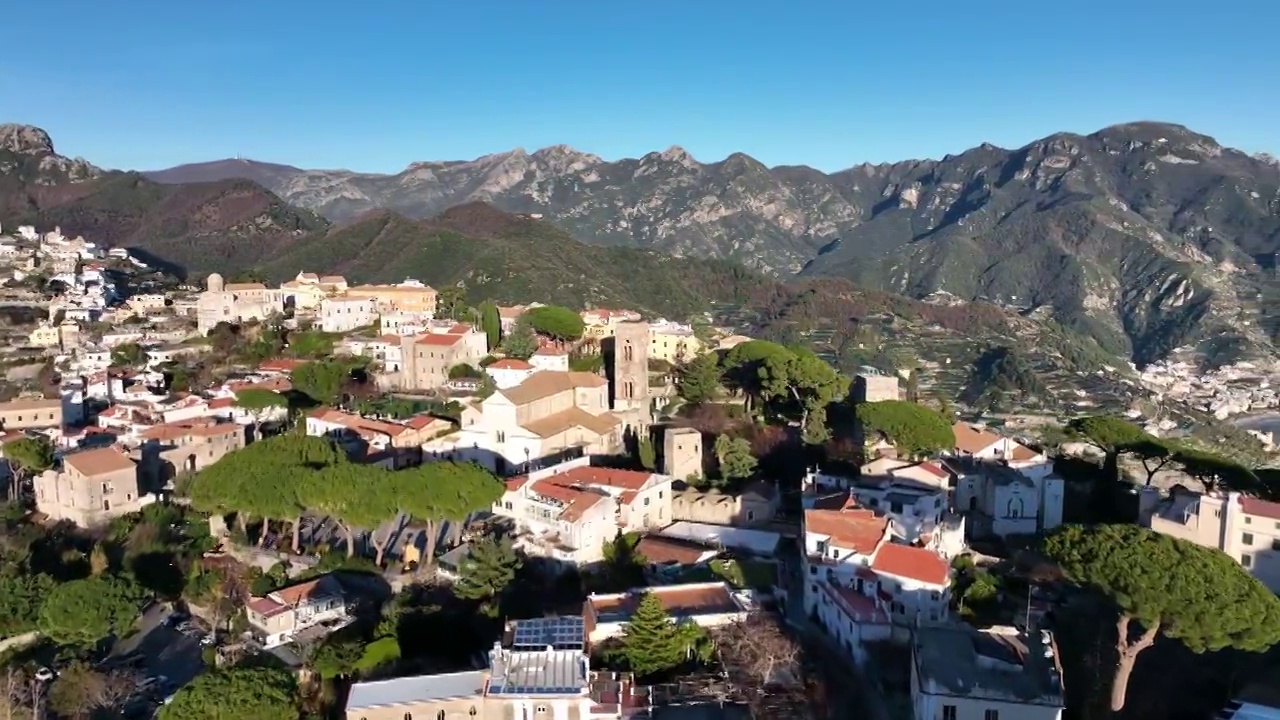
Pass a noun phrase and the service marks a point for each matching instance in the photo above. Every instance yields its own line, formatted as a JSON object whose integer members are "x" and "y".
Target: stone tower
{"x": 682, "y": 453}
{"x": 214, "y": 283}
{"x": 630, "y": 368}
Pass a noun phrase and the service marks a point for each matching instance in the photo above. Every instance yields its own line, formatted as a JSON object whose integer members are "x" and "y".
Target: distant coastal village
{"x": 599, "y": 513}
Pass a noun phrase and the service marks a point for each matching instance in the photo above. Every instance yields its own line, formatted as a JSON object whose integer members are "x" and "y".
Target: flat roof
{"x": 541, "y": 672}
{"x": 992, "y": 664}
{"x": 416, "y": 689}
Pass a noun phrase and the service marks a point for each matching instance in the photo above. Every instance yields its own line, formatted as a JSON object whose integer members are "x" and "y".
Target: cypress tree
{"x": 651, "y": 642}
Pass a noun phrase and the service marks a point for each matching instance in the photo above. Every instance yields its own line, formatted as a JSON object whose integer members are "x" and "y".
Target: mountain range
{"x": 1145, "y": 237}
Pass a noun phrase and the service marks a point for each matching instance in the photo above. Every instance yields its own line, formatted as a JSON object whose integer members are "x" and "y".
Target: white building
{"x": 570, "y": 510}
{"x": 546, "y": 418}
{"x": 1004, "y": 487}
{"x": 550, "y": 358}
{"x": 915, "y": 497}
{"x": 341, "y": 314}
{"x": 859, "y": 583}
{"x": 509, "y": 372}
{"x": 279, "y": 616}
{"x": 961, "y": 673}
{"x": 545, "y": 674}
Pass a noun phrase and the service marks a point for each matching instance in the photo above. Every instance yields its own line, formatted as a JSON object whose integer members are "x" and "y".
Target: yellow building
{"x": 44, "y": 336}
{"x": 673, "y": 343}
{"x": 601, "y": 323}
{"x": 409, "y": 296}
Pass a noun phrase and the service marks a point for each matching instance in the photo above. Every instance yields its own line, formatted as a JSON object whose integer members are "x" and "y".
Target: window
{"x": 646, "y": 502}
{"x": 1275, "y": 544}
{"x": 991, "y": 715}
{"x": 1247, "y": 520}
{"x": 1247, "y": 538}
{"x": 813, "y": 569}
{"x": 1246, "y": 560}
{"x": 751, "y": 515}
{"x": 948, "y": 712}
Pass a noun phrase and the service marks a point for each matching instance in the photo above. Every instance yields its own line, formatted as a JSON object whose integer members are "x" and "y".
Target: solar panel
{"x": 561, "y": 633}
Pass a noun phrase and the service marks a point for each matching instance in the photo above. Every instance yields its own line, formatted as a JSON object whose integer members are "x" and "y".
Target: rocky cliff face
{"x": 28, "y": 151}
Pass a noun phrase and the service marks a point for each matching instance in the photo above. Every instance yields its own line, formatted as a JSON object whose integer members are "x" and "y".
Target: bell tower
{"x": 630, "y": 375}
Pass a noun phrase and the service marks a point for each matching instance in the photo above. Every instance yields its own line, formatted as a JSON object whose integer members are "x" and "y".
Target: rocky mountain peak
{"x": 25, "y": 140}
{"x": 35, "y": 152}
{"x": 677, "y": 154}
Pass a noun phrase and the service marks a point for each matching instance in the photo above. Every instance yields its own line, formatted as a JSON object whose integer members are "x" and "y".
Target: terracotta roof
{"x": 550, "y": 382}
{"x": 973, "y": 440}
{"x": 418, "y": 422}
{"x": 625, "y": 479}
{"x": 576, "y": 500}
{"x": 550, "y": 351}
{"x": 1022, "y": 453}
{"x": 1261, "y": 508}
{"x": 684, "y": 600}
{"x": 916, "y": 563}
{"x": 511, "y": 312}
{"x": 332, "y": 279}
{"x": 220, "y": 403}
{"x": 854, "y": 529}
{"x": 357, "y": 422}
{"x": 460, "y": 329}
{"x": 565, "y": 420}
{"x": 388, "y": 339}
{"x": 180, "y": 430}
{"x": 440, "y": 339}
{"x": 98, "y": 462}
{"x": 934, "y": 470}
{"x": 858, "y": 606}
{"x": 661, "y": 551}
{"x": 279, "y": 365}
{"x": 510, "y": 364}
{"x": 232, "y": 287}
{"x": 277, "y": 384}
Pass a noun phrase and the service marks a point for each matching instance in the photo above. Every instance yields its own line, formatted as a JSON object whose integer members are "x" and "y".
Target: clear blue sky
{"x": 376, "y": 84}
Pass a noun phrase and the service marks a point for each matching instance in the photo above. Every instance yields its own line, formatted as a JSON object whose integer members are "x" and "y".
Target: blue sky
{"x": 377, "y": 84}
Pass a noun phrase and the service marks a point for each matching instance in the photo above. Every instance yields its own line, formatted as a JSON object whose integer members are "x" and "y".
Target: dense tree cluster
{"x": 915, "y": 430}
{"x": 283, "y": 476}
{"x": 553, "y": 321}
{"x": 789, "y": 382}
{"x": 244, "y": 693}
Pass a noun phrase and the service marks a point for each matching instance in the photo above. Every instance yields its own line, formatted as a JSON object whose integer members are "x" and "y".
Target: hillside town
{"x": 405, "y": 502}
